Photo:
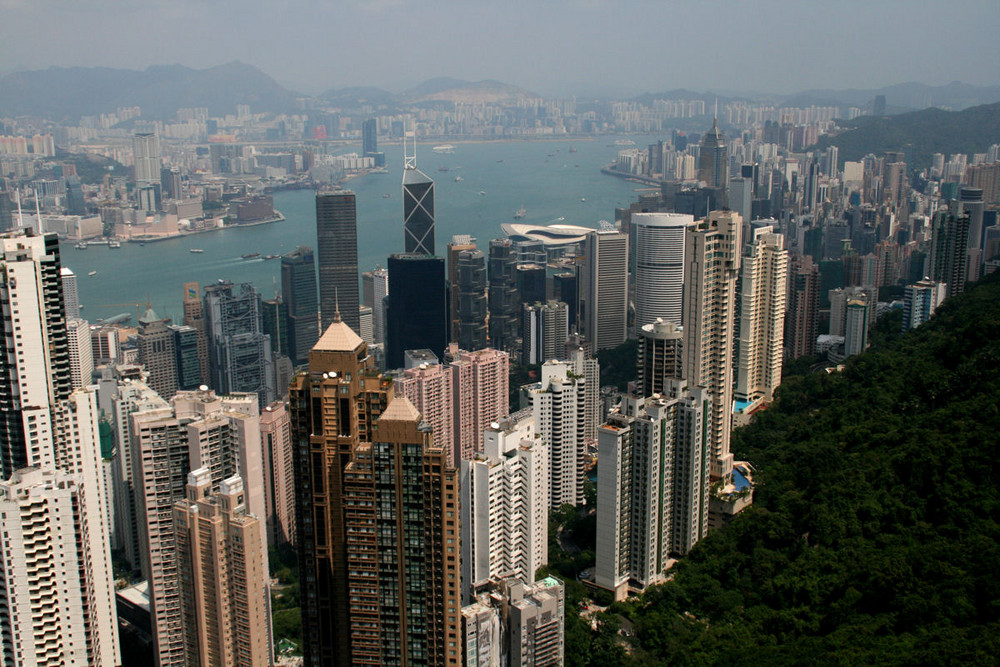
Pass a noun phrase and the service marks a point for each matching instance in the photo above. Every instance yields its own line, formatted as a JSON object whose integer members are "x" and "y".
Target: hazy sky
{"x": 548, "y": 46}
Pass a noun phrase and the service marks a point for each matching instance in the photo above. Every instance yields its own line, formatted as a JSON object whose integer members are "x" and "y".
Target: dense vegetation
{"x": 873, "y": 538}
{"x": 919, "y": 134}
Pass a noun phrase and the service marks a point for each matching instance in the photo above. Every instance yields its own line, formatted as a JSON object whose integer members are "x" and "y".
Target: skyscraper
{"x": 429, "y": 388}
{"x": 503, "y": 299}
{"x": 71, "y": 294}
{"x": 949, "y": 257}
{"x": 856, "y": 327}
{"x": 659, "y": 358}
{"x": 604, "y": 289}
{"x": 240, "y": 353}
{"x": 157, "y": 354}
{"x": 298, "y": 291}
{"x": 81, "y": 354}
{"x": 545, "y": 330}
{"x": 369, "y": 137}
{"x": 469, "y": 298}
{"x": 659, "y": 266}
{"x": 279, "y": 473}
{"x": 341, "y": 384}
{"x": 763, "y": 285}
{"x": 376, "y": 287}
{"x": 416, "y": 316}
{"x": 713, "y": 258}
{"x": 221, "y": 562}
{"x": 146, "y": 153}
{"x": 337, "y": 254}
{"x": 480, "y": 382}
{"x": 418, "y": 210}
{"x": 194, "y": 317}
{"x": 713, "y": 165}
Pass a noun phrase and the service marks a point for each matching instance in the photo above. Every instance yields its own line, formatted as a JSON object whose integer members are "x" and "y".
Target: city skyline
{"x": 568, "y": 39}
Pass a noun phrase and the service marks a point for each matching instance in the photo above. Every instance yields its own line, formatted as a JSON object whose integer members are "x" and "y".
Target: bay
{"x": 551, "y": 182}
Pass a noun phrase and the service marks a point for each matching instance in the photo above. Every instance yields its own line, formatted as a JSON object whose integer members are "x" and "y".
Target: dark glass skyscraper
{"x": 503, "y": 302}
{"x": 418, "y": 212}
{"x": 470, "y": 300}
{"x": 337, "y": 253}
{"x": 713, "y": 165}
{"x": 369, "y": 137}
{"x": 298, "y": 290}
{"x": 417, "y": 315}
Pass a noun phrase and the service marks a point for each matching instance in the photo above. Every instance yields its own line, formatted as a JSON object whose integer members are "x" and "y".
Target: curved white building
{"x": 659, "y": 267}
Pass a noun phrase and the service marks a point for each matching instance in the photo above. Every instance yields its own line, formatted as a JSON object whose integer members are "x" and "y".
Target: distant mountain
{"x": 357, "y": 95}
{"x": 62, "y": 93}
{"x": 435, "y": 85}
{"x": 901, "y": 97}
{"x": 453, "y": 90}
{"x": 919, "y": 134}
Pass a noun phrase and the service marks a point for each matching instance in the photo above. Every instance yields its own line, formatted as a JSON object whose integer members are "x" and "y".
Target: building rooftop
{"x": 338, "y": 337}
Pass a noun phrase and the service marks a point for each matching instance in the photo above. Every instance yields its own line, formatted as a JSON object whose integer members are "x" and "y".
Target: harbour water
{"x": 555, "y": 181}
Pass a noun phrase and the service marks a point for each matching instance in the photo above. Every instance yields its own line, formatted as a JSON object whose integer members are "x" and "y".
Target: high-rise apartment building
{"x": 50, "y": 613}
{"x": 802, "y": 307}
{"x": 429, "y": 388}
{"x": 856, "y": 327}
{"x": 198, "y": 429}
{"x": 223, "y": 570}
{"x": 713, "y": 258}
{"x": 763, "y": 287}
{"x": 416, "y": 316}
{"x": 480, "y": 385}
{"x": 47, "y": 426}
{"x": 516, "y": 624}
{"x": 505, "y": 504}
{"x": 337, "y": 256}
{"x": 401, "y": 513}
{"x": 920, "y": 301}
{"x": 603, "y": 310}
{"x": 298, "y": 292}
{"x": 418, "y": 210}
{"x": 239, "y": 351}
{"x": 659, "y": 266}
{"x": 333, "y": 408}
{"x": 503, "y": 299}
{"x": 279, "y": 473}
{"x": 558, "y": 405}
{"x": 653, "y": 497}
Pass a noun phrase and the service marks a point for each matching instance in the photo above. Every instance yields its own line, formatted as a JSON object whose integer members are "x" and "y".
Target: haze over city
{"x": 563, "y": 47}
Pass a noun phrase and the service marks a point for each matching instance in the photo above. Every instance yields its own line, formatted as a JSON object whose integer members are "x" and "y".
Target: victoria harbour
{"x": 478, "y": 187}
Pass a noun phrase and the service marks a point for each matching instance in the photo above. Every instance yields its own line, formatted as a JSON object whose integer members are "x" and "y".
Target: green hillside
{"x": 874, "y": 535}
{"x": 919, "y": 134}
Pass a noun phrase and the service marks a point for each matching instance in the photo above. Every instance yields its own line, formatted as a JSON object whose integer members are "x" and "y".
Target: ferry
{"x": 624, "y": 142}
{"x": 196, "y": 250}
{"x": 379, "y": 170}
{"x": 482, "y": 193}
{"x": 444, "y": 149}
{"x": 459, "y": 179}
{"x": 114, "y": 244}
{"x": 386, "y": 196}
{"x": 521, "y": 212}
{"x": 250, "y": 255}
{"x": 92, "y": 273}
{"x": 82, "y": 245}
{"x": 271, "y": 256}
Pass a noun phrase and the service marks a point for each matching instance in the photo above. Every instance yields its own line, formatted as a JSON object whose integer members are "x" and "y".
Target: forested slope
{"x": 874, "y": 535}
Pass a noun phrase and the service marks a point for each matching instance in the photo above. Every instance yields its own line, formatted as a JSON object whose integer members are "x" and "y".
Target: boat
{"x": 386, "y": 196}
{"x": 114, "y": 244}
{"x": 583, "y": 199}
{"x": 444, "y": 149}
{"x": 250, "y": 255}
{"x": 92, "y": 273}
{"x": 379, "y": 170}
{"x": 443, "y": 168}
{"x": 271, "y": 256}
{"x": 624, "y": 142}
{"x": 482, "y": 192}
{"x": 82, "y": 245}
{"x": 521, "y": 212}
{"x": 459, "y": 179}
{"x": 196, "y": 250}
{"x": 572, "y": 150}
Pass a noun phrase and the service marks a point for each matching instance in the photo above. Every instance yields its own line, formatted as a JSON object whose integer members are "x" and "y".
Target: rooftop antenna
{"x": 38, "y": 213}
{"x": 410, "y": 160}
{"x": 336, "y": 304}
{"x": 716, "y": 110}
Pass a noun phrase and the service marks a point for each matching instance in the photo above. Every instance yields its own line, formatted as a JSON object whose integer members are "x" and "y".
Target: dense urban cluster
{"x": 357, "y": 449}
